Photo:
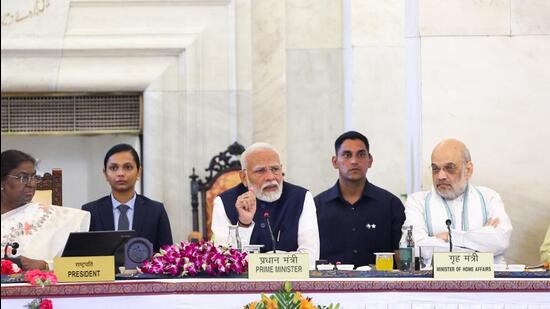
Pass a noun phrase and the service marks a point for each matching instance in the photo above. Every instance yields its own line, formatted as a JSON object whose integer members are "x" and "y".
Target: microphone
{"x": 12, "y": 248}
{"x": 448, "y": 223}
{"x": 466, "y": 248}
{"x": 266, "y": 216}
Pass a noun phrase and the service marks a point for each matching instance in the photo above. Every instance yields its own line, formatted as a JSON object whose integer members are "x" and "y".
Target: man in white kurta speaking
{"x": 475, "y": 215}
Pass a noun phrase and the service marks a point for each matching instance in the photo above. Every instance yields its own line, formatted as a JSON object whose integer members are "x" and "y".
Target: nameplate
{"x": 278, "y": 266}
{"x": 84, "y": 268}
{"x": 463, "y": 265}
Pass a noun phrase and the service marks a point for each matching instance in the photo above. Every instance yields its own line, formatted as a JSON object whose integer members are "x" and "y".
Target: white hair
{"x": 255, "y": 147}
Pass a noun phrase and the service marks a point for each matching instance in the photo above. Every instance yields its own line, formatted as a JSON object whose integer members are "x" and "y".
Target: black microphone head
{"x": 448, "y": 222}
{"x": 15, "y": 245}
{"x": 266, "y": 214}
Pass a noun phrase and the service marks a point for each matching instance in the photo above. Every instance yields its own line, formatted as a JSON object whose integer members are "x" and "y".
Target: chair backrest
{"x": 223, "y": 174}
{"x": 50, "y": 189}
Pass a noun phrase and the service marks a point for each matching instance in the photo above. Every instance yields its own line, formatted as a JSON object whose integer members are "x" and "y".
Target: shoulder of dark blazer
{"x": 97, "y": 203}
{"x": 149, "y": 202}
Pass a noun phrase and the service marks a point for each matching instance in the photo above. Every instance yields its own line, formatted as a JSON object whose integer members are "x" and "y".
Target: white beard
{"x": 270, "y": 196}
{"x": 460, "y": 187}
{"x": 454, "y": 193}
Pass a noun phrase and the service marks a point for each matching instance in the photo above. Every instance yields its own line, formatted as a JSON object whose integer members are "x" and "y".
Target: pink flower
{"x": 39, "y": 303}
{"x": 27, "y": 228}
{"x": 10, "y": 268}
{"x": 189, "y": 259}
{"x": 38, "y": 277}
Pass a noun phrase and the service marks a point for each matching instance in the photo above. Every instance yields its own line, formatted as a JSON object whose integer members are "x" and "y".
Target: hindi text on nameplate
{"x": 279, "y": 266}
{"x": 84, "y": 268}
{"x": 463, "y": 265}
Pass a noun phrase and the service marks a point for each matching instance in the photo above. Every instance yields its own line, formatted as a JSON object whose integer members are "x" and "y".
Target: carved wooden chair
{"x": 50, "y": 189}
{"x": 223, "y": 174}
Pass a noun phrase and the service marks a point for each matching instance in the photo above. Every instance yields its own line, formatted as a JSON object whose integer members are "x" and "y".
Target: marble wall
{"x": 379, "y": 88}
{"x": 327, "y": 53}
{"x": 298, "y": 73}
{"x": 314, "y": 90}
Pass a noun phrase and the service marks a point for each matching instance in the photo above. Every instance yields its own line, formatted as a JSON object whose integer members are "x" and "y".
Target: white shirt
{"x": 308, "y": 231}
{"x": 468, "y": 226}
{"x": 129, "y": 212}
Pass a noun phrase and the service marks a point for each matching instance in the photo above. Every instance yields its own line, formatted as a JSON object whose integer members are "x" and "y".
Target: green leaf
{"x": 287, "y": 286}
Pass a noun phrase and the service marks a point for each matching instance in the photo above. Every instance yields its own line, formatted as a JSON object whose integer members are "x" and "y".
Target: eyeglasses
{"x": 449, "y": 168}
{"x": 27, "y": 178}
{"x": 262, "y": 170}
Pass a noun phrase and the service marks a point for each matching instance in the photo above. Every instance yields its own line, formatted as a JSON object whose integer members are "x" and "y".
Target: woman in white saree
{"x": 39, "y": 231}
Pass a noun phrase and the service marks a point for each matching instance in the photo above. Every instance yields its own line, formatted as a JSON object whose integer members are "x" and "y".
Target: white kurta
{"x": 308, "y": 232}
{"x": 42, "y": 230}
{"x": 427, "y": 212}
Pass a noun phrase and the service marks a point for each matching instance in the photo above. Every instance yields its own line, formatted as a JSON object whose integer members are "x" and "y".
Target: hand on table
{"x": 28, "y": 263}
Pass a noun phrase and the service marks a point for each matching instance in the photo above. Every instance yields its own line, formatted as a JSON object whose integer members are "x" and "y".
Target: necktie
{"x": 123, "y": 223}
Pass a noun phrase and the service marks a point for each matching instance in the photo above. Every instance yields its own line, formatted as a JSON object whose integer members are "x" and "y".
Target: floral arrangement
{"x": 40, "y": 278}
{"x": 39, "y": 303}
{"x": 285, "y": 298}
{"x": 34, "y": 277}
{"x": 189, "y": 259}
{"x": 10, "y": 268}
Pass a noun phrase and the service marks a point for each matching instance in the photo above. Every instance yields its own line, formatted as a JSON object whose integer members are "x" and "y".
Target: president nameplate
{"x": 84, "y": 268}
{"x": 278, "y": 266}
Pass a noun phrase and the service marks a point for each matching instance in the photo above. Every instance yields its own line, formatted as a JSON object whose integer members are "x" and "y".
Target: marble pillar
{"x": 269, "y": 73}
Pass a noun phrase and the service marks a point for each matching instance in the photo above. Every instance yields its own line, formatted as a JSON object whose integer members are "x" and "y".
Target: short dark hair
{"x": 350, "y": 135}
{"x": 121, "y": 148}
{"x": 10, "y": 160}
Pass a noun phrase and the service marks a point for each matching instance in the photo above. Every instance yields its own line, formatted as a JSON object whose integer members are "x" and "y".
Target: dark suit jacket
{"x": 150, "y": 219}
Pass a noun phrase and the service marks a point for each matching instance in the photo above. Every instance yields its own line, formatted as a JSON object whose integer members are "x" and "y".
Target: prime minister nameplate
{"x": 463, "y": 265}
{"x": 84, "y": 268}
{"x": 278, "y": 266}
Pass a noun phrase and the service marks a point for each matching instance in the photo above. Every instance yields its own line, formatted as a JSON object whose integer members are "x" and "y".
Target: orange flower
{"x": 27, "y": 228}
{"x": 269, "y": 303}
{"x": 306, "y": 304}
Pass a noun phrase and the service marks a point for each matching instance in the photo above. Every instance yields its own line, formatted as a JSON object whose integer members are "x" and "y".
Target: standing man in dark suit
{"x": 124, "y": 209}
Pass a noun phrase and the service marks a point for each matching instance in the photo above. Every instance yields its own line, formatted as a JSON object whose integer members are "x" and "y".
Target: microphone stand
{"x": 448, "y": 223}
{"x": 266, "y": 216}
